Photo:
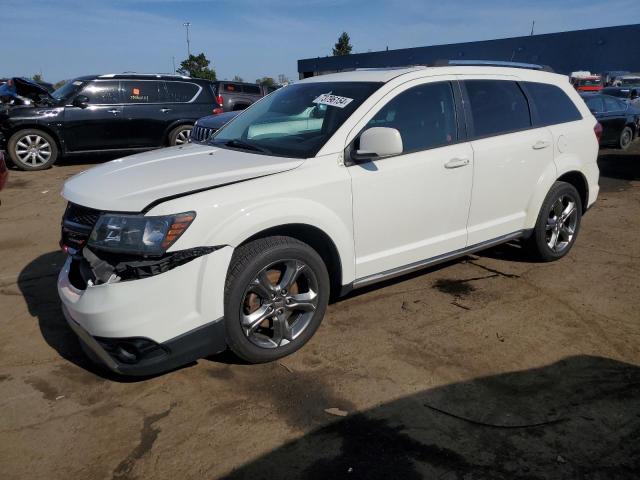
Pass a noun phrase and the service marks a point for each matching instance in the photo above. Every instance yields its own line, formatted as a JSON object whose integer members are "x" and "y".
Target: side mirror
{"x": 378, "y": 142}
{"x": 81, "y": 101}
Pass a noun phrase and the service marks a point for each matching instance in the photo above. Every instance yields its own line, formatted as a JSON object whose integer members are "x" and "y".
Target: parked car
{"x": 627, "y": 81}
{"x": 326, "y": 185}
{"x": 4, "y": 173}
{"x": 620, "y": 120}
{"x": 207, "y": 126}
{"x": 234, "y": 96}
{"x": 588, "y": 84}
{"x": 609, "y": 77}
{"x": 114, "y": 113}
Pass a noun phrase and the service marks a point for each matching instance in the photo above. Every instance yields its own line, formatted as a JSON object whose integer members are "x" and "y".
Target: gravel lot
{"x": 489, "y": 367}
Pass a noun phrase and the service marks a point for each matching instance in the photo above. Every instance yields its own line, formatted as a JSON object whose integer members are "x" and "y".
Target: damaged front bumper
{"x": 151, "y": 324}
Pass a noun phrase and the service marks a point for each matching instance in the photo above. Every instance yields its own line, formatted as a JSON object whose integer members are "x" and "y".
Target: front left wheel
{"x": 32, "y": 149}
{"x": 276, "y": 294}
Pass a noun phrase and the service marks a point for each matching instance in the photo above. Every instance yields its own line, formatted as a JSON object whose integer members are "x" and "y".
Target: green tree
{"x": 266, "y": 81}
{"x": 237, "y": 78}
{"x": 37, "y": 77}
{"x": 197, "y": 66}
{"x": 57, "y": 85}
{"x": 342, "y": 47}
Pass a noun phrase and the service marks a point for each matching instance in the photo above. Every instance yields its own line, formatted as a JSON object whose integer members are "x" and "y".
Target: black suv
{"x": 118, "y": 112}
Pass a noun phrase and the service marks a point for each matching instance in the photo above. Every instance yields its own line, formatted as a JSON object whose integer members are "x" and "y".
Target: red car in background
{"x": 588, "y": 84}
{"x": 4, "y": 173}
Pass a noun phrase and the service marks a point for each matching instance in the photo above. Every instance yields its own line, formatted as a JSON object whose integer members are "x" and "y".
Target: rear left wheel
{"x": 180, "y": 135}
{"x": 276, "y": 295}
{"x": 558, "y": 223}
{"x": 626, "y": 137}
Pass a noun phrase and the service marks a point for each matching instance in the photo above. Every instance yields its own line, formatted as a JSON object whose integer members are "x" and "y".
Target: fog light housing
{"x": 131, "y": 350}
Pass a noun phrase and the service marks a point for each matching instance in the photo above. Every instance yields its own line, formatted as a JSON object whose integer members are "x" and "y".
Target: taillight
{"x": 597, "y": 129}
{"x": 219, "y": 100}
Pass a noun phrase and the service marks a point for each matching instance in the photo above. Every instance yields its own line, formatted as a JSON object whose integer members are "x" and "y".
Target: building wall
{"x": 596, "y": 50}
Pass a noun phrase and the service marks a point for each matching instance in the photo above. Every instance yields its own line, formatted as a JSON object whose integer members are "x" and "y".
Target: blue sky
{"x": 253, "y": 38}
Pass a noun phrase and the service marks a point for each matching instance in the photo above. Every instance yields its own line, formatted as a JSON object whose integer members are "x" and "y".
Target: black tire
{"x": 23, "y": 140}
{"x": 180, "y": 135}
{"x": 626, "y": 138}
{"x": 247, "y": 262}
{"x": 538, "y": 244}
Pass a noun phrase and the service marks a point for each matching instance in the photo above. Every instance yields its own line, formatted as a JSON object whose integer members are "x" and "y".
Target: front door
{"x": 101, "y": 125}
{"x": 413, "y": 206}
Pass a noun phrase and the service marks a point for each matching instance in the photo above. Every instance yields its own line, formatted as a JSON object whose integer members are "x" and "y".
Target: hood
{"x": 132, "y": 183}
{"x": 23, "y": 90}
{"x": 217, "y": 121}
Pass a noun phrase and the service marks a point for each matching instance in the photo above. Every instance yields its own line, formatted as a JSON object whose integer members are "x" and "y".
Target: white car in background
{"x": 326, "y": 185}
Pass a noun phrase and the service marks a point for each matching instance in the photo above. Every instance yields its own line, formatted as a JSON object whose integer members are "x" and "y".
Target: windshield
{"x": 296, "y": 120}
{"x": 67, "y": 90}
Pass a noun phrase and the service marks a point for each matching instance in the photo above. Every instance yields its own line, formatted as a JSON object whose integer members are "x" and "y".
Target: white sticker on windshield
{"x": 333, "y": 100}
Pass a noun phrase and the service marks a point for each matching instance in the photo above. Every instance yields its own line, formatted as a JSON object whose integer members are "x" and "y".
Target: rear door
{"x": 510, "y": 155}
{"x": 615, "y": 110}
{"x": 145, "y": 112}
{"x": 101, "y": 125}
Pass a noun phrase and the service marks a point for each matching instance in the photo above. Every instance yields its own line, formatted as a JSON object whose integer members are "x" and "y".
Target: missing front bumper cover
{"x": 100, "y": 268}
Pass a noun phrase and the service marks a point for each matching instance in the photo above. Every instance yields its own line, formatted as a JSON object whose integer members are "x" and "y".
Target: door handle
{"x": 115, "y": 111}
{"x": 457, "y": 162}
{"x": 540, "y": 144}
{"x": 165, "y": 110}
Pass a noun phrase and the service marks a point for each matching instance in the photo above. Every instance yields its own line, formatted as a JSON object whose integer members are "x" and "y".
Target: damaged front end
{"x": 109, "y": 247}
{"x": 21, "y": 91}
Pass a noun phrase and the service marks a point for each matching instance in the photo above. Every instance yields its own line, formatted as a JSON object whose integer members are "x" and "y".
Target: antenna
{"x": 533, "y": 24}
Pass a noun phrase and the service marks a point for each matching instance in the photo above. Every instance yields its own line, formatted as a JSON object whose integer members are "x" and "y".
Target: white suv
{"x": 326, "y": 185}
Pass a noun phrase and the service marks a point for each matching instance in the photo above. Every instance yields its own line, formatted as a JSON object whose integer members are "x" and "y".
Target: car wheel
{"x": 558, "y": 223}
{"x": 276, "y": 294}
{"x": 626, "y": 137}
{"x": 180, "y": 135}
{"x": 32, "y": 149}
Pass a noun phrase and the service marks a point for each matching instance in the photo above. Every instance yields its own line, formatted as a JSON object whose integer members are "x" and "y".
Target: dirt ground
{"x": 488, "y": 367}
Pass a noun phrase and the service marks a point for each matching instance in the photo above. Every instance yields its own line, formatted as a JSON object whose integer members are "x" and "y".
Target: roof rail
{"x": 491, "y": 63}
{"x": 134, "y": 74}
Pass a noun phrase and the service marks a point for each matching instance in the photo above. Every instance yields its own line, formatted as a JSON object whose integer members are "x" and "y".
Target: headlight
{"x": 138, "y": 235}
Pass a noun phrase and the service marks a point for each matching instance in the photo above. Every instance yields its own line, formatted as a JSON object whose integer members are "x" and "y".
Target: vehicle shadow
{"x": 577, "y": 418}
{"x": 620, "y": 165}
{"x": 37, "y": 283}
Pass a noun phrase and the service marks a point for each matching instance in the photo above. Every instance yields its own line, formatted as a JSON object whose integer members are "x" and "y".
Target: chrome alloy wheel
{"x": 561, "y": 223}
{"x": 183, "y": 136}
{"x": 279, "y": 303}
{"x": 33, "y": 150}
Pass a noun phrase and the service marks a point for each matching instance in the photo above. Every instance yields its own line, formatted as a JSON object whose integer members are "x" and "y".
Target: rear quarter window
{"x": 550, "y": 104}
{"x": 497, "y": 107}
{"x": 181, "y": 92}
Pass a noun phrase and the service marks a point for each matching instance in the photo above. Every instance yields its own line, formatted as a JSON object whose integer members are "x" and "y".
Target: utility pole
{"x": 187, "y": 25}
{"x": 533, "y": 24}
{"x": 173, "y": 62}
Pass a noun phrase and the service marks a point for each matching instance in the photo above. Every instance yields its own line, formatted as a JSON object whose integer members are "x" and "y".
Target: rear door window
{"x": 142, "y": 91}
{"x": 550, "y": 105}
{"x": 497, "y": 107}
{"x": 103, "y": 92}
{"x": 181, "y": 92}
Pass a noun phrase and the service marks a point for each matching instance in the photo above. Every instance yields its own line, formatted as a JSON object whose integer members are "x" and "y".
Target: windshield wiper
{"x": 247, "y": 146}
